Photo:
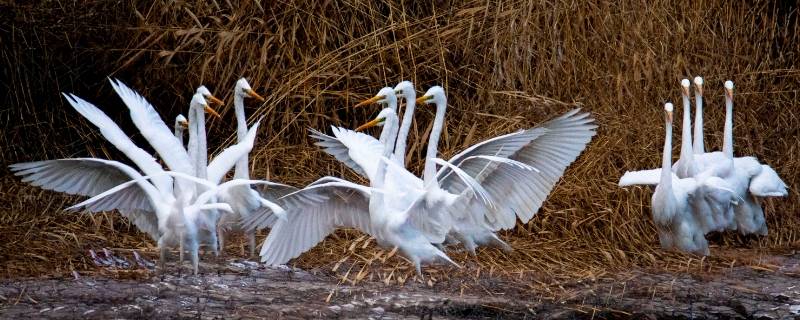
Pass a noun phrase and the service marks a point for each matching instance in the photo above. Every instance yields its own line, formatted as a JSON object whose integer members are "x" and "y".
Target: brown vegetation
{"x": 506, "y": 65}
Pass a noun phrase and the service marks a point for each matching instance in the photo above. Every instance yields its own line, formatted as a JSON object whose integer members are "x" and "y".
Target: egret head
{"x": 243, "y": 89}
{"x": 434, "y": 95}
{"x": 208, "y": 96}
{"x": 698, "y": 83}
{"x": 181, "y": 122}
{"x": 405, "y": 90}
{"x": 380, "y": 120}
{"x": 668, "y": 108}
{"x": 198, "y": 101}
{"x": 729, "y": 89}
{"x": 685, "y": 87}
{"x": 384, "y": 96}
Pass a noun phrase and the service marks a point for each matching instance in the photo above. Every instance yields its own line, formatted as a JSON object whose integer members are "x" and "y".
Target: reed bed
{"x": 506, "y": 65}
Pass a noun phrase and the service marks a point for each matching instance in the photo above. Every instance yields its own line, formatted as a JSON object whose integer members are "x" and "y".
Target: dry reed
{"x": 506, "y": 65}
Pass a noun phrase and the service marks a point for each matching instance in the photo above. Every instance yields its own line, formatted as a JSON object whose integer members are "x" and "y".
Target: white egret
{"x": 243, "y": 199}
{"x": 548, "y": 149}
{"x": 382, "y": 210}
{"x": 672, "y": 213}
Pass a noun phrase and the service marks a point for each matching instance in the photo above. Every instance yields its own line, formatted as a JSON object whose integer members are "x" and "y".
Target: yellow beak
{"x": 369, "y": 101}
{"x": 211, "y": 111}
{"x": 255, "y": 95}
{"x": 423, "y": 99}
{"x": 369, "y": 125}
{"x": 216, "y": 101}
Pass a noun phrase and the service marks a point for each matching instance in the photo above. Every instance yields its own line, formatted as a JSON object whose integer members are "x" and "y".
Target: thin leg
{"x": 162, "y": 258}
{"x": 180, "y": 254}
{"x": 220, "y": 236}
{"x": 251, "y": 240}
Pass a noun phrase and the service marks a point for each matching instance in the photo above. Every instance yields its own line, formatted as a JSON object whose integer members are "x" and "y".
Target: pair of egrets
{"x": 181, "y": 205}
{"x": 479, "y": 191}
{"x": 705, "y": 191}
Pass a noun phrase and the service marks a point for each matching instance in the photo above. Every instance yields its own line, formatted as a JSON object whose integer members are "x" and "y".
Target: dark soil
{"x": 248, "y": 290}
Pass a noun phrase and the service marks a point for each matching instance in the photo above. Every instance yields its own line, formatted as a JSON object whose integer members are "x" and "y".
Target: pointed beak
{"x": 669, "y": 116}
{"x": 216, "y": 101}
{"x": 685, "y": 90}
{"x": 211, "y": 111}
{"x": 255, "y": 95}
{"x": 729, "y": 93}
{"x": 184, "y": 124}
{"x": 369, "y": 101}
{"x": 368, "y": 125}
{"x": 423, "y": 99}
{"x": 699, "y": 88}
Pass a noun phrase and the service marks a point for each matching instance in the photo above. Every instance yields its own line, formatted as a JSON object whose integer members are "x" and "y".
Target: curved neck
{"x": 201, "y": 162}
{"x": 666, "y": 160}
{"x": 433, "y": 143}
{"x": 405, "y": 127}
{"x": 241, "y": 171}
{"x": 727, "y": 142}
{"x": 686, "y": 130}
{"x": 698, "y": 125}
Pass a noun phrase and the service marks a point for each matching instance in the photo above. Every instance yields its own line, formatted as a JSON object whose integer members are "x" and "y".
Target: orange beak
{"x": 685, "y": 91}
{"x": 369, "y": 101}
{"x": 729, "y": 93}
{"x": 369, "y": 125}
{"x": 423, "y": 99}
{"x": 216, "y": 101}
{"x": 211, "y": 111}
{"x": 669, "y": 116}
{"x": 699, "y": 89}
{"x": 255, "y": 95}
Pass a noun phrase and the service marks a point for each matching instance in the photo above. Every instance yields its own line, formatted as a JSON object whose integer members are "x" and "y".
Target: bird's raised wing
{"x": 357, "y": 150}
{"x": 225, "y": 161}
{"x": 316, "y": 214}
{"x": 157, "y": 133}
{"x": 115, "y": 135}
{"x": 551, "y": 147}
{"x": 91, "y": 177}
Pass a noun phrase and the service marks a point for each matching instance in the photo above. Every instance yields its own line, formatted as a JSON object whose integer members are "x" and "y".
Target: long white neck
{"x": 201, "y": 163}
{"x": 405, "y": 127}
{"x": 698, "y": 147}
{"x": 192, "y": 146}
{"x": 390, "y": 130}
{"x": 241, "y": 171}
{"x": 727, "y": 139}
{"x": 666, "y": 161}
{"x": 429, "y": 174}
{"x": 686, "y": 131}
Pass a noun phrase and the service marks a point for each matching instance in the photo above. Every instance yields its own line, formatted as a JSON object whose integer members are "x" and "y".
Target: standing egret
{"x": 672, "y": 213}
{"x": 243, "y": 199}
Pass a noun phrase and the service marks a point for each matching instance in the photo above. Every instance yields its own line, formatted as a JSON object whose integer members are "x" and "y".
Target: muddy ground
{"x": 243, "y": 289}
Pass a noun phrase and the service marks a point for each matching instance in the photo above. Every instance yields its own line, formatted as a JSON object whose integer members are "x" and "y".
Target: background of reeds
{"x": 505, "y": 65}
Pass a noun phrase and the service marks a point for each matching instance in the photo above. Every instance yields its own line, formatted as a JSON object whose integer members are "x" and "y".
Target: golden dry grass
{"x": 505, "y": 65}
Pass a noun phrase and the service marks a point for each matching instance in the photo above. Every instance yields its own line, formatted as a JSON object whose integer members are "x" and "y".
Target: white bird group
{"x": 481, "y": 190}
{"x": 463, "y": 200}
{"x": 705, "y": 191}
{"x": 177, "y": 206}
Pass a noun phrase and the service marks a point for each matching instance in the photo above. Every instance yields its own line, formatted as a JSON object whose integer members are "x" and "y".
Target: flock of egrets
{"x": 705, "y": 191}
{"x": 464, "y": 200}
